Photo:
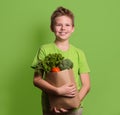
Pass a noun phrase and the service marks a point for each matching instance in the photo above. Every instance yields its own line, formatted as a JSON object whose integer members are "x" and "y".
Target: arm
{"x": 68, "y": 90}
{"x": 65, "y": 90}
{"x": 39, "y": 82}
{"x": 85, "y": 80}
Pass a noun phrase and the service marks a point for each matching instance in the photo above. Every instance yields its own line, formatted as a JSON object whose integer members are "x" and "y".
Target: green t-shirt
{"x": 74, "y": 54}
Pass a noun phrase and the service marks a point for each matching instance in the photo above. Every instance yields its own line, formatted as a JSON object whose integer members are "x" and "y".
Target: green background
{"x": 24, "y": 26}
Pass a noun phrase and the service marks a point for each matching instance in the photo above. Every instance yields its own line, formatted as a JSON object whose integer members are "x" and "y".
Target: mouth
{"x": 63, "y": 33}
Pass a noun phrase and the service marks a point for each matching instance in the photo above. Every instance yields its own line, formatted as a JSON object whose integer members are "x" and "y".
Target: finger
{"x": 72, "y": 87}
{"x": 63, "y": 110}
{"x": 72, "y": 90}
{"x": 71, "y": 93}
{"x": 56, "y": 111}
{"x": 71, "y": 84}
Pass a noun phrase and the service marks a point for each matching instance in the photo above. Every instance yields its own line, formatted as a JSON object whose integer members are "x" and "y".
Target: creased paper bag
{"x": 58, "y": 79}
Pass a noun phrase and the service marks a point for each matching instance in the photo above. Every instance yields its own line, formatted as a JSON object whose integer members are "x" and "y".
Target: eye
{"x": 58, "y": 25}
{"x": 67, "y": 24}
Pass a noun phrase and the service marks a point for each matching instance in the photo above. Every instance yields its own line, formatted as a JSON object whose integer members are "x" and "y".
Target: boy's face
{"x": 63, "y": 27}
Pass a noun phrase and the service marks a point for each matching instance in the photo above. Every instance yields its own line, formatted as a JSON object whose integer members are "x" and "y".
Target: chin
{"x": 63, "y": 39}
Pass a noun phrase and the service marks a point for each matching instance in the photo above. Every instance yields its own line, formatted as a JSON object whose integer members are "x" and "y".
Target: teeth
{"x": 62, "y": 33}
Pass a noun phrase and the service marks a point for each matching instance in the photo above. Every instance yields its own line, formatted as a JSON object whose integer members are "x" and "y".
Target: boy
{"x": 62, "y": 25}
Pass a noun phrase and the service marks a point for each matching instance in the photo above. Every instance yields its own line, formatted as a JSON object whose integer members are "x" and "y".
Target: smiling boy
{"x": 62, "y": 25}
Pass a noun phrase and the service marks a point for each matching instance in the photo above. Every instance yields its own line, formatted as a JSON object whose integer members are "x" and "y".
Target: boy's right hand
{"x": 68, "y": 90}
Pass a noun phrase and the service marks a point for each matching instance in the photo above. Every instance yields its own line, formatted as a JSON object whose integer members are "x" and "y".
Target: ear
{"x": 52, "y": 29}
{"x": 73, "y": 28}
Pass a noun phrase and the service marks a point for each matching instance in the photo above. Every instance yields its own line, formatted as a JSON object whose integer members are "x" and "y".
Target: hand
{"x": 68, "y": 90}
{"x": 61, "y": 110}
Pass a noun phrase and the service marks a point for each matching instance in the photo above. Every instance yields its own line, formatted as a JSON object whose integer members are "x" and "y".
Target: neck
{"x": 62, "y": 45}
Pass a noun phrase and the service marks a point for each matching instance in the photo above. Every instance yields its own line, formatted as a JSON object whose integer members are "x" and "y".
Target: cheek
{"x": 72, "y": 29}
{"x": 56, "y": 29}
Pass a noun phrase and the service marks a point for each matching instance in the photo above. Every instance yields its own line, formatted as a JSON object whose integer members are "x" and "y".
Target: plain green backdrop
{"x": 24, "y": 26}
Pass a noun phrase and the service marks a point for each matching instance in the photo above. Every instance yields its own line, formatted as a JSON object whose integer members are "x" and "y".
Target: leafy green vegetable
{"x": 66, "y": 64}
{"x": 51, "y": 61}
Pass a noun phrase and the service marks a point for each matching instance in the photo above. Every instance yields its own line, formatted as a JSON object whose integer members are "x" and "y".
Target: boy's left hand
{"x": 61, "y": 110}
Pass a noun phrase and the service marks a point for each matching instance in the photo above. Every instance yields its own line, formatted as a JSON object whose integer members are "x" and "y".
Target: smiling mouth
{"x": 63, "y": 33}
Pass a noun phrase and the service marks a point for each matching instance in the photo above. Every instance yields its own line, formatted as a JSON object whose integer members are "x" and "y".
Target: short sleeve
{"x": 83, "y": 65}
{"x": 39, "y": 56}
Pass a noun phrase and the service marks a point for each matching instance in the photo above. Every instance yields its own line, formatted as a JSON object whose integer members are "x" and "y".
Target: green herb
{"x": 51, "y": 61}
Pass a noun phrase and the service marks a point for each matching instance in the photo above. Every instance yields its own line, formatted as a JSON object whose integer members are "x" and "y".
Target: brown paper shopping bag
{"x": 58, "y": 79}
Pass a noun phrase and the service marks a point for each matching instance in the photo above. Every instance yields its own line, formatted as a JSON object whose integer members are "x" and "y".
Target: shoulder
{"x": 47, "y": 48}
{"x": 46, "y": 45}
{"x": 76, "y": 49}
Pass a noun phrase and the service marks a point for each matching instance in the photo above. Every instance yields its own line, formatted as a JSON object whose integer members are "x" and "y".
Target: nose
{"x": 63, "y": 27}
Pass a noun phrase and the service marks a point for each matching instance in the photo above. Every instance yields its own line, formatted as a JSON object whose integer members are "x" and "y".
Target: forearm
{"x": 83, "y": 92}
{"x": 68, "y": 89}
{"x": 85, "y": 81}
{"x": 44, "y": 85}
